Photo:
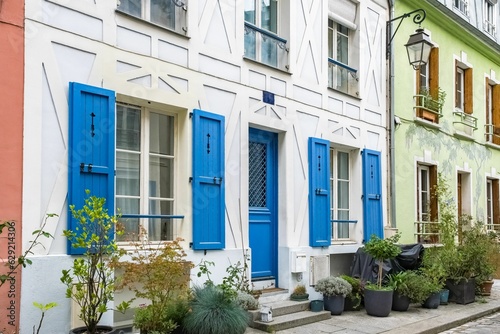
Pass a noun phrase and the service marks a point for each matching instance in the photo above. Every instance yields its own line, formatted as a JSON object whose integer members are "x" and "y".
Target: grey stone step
{"x": 282, "y": 307}
{"x": 291, "y": 320}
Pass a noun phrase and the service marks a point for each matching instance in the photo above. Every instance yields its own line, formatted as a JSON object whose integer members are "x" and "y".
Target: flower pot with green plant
{"x": 378, "y": 298}
{"x": 299, "y": 293}
{"x": 353, "y": 299}
{"x": 334, "y": 290}
{"x": 91, "y": 280}
{"x": 159, "y": 273}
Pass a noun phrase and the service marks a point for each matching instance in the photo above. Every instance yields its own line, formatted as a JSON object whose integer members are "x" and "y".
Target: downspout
{"x": 392, "y": 174}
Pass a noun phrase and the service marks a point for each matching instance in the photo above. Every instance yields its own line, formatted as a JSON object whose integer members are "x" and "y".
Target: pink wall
{"x": 11, "y": 148}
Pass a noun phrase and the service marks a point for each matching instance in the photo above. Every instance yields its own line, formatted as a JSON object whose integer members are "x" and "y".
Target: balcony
{"x": 265, "y": 47}
{"x": 426, "y": 232}
{"x": 427, "y": 108}
{"x": 492, "y": 133}
{"x": 465, "y": 123}
{"x": 342, "y": 77}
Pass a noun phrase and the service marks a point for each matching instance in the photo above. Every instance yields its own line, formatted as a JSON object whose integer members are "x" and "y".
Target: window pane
{"x": 128, "y": 174}
{"x": 161, "y": 134}
{"x": 250, "y": 11}
{"x": 163, "y": 13}
{"x": 343, "y": 228}
{"x": 130, "y": 226}
{"x": 269, "y": 17}
{"x": 269, "y": 51}
{"x": 128, "y": 128}
{"x": 343, "y": 165}
{"x": 132, "y": 7}
{"x": 160, "y": 228}
{"x": 330, "y": 39}
{"x": 343, "y": 195}
{"x": 342, "y": 47}
{"x": 161, "y": 176}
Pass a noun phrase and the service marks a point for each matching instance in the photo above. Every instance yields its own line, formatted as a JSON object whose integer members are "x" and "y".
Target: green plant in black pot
{"x": 334, "y": 290}
{"x": 378, "y": 298}
{"x": 353, "y": 299}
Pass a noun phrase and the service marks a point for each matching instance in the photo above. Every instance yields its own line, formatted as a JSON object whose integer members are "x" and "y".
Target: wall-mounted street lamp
{"x": 419, "y": 45}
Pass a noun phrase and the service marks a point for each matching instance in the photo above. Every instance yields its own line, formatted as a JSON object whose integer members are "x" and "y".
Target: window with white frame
{"x": 459, "y": 88}
{"x": 340, "y": 180}
{"x": 462, "y": 6}
{"x": 489, "y": 16}
{"x": 423, "y": 193}
{"x": 339, "y": 72}
{"x": 145, "y": 171}
{"x": 263, "y": 41}
{"x": 170, "y": 14}
{"x": 342, "y": 41}
{"x": 492, "y": 204}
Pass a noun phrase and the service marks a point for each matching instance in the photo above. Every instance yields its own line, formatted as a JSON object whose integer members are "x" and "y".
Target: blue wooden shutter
{"x": 91, "y": 163}
{"x": 320, "y": 228}
{"x": 372, "y": 195}
{"x": 208, "y": 181}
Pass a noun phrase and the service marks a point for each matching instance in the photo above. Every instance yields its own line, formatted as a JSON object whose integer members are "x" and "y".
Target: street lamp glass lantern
{"x": 419, "y": 48}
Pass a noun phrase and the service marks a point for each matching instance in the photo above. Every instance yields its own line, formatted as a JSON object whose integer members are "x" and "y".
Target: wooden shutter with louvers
{"x": 468, "y": 94}
{"x": 495, "y": 111}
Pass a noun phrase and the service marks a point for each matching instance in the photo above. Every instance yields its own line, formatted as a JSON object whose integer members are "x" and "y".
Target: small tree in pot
{"x": 378, "y": 299}
{"x": 91, "y": 281}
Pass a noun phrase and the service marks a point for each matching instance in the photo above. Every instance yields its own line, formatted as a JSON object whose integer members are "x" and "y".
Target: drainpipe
{"x": 392, "y": 174}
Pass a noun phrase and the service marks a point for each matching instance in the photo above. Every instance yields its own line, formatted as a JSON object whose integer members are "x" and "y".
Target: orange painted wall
{"x": 11, "y": 150}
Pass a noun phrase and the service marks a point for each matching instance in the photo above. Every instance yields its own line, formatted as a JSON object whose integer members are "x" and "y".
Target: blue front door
{"x": 262, "y": 201}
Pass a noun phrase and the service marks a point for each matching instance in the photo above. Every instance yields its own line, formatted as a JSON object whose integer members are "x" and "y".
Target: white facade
{"x": 154, "y": 68}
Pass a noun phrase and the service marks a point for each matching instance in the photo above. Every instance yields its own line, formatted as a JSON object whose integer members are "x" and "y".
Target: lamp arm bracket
{"x": 417, "y": 19}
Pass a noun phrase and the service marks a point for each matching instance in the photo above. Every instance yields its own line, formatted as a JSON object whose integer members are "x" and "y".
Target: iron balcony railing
{"x": 465, "y": 119}
{"x": 426, "y": 107}
{"x": 342, "y": 77}
{"x": 426, "y": 232}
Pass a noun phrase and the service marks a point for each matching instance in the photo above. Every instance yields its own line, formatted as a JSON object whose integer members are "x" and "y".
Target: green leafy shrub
{"x": 213, "y": 313}
{"x": 159, "y": 273}
{"x": 333, "y": 286}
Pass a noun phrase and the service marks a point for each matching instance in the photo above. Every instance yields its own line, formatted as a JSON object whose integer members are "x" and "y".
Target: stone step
{"x": 281, "y": 308}
{"x": 290, "y": 320}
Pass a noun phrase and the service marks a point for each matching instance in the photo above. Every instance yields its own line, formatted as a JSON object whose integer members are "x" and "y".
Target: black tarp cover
{"x": 365, "y": 267}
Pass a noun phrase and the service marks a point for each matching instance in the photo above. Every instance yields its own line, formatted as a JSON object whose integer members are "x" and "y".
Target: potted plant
{"x": 378, "y": 298}
{"x": 158, "y": 273}
{"x": 400, "y": 297}
{"x": 334, "y": 290}
{"x": 353, "y": 299}
{"x": 299, "y": 293}
{"x": 91, "y": 280}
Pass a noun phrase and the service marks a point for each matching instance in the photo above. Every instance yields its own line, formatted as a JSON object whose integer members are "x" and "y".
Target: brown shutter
{"x": 434, "y": 73}
{"x": 495, "y": 102}
{"x": 468, "y": 94}
{"x": 433, "y": 178}
{"x": 496, "y": 203}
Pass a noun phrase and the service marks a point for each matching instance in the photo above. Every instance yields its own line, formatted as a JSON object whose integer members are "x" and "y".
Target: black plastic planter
{"x": 100, "y": 330}
{"x": 378, "y": 302}
{"x": 461, "y": 292}
{"x": 399, "y": 302}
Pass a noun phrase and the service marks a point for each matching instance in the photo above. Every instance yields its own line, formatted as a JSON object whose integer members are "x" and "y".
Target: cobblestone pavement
{"x": 486, "y": 325}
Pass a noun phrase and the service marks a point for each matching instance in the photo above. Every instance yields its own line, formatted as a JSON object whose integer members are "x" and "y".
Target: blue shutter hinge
{"x": 191, "y": 245}
{"x": 191, "y": 115}
{"x": 190, "y": 179}
{"x": 82, "y": 167}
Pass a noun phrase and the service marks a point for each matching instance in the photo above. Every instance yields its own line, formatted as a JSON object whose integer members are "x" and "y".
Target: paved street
{"x": 486, "y": 325}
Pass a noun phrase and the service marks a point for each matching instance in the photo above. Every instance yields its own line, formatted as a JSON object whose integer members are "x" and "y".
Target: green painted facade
{"x": 452, "y": 147}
